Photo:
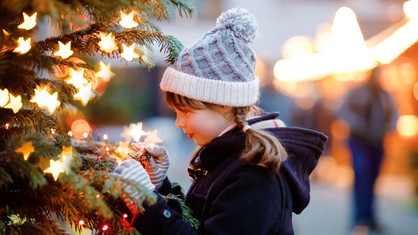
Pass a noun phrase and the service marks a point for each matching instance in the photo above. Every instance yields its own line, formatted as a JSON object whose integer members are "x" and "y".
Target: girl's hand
{"x": 158, "y": 163}
{"x": 133, "y": 171}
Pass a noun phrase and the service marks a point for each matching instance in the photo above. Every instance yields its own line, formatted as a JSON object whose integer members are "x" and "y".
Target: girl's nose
{"x": 179, "y": 122}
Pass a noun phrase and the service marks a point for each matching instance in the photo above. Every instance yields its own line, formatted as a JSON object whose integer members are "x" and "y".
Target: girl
{"x": 250, "y": 172}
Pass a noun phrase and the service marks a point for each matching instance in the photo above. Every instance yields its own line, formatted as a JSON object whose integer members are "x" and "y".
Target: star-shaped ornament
{"x": 6, "y": 34}
{"x": 127, "y": 21}
{"x": 45, "y": 100}
{"x": 64, "y": 50}
{"x": 77, "y": 78}
{"x": 146, "y": 55}
{"x": 28, "y": 21}
{"x": 26, "y": 149}
{"x": 24, "y": 45}
{"x": 135, "y": 131}
{"x": 67, "y": 158}
{"x": 85, "y": 93}
{"x": 55, "y": 169}
{"x": 152, "y": 138}
{"x": 15, "y": 103}
{"x": 107, "y": 43}
{"x": 105, "y": 72}
{"x": 123, "y": 149}
{"x": 129, "y": 52}
{"x": 4, "y": 97}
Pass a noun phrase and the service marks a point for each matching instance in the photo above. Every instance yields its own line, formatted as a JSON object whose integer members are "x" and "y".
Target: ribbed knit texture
{"x": 133, "y": 170}
{"x": 158, "y": 163}
{"x": 220, "y": 67}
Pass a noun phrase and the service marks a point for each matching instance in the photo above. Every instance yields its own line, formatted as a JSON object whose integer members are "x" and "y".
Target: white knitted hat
{"x": 220, "y": 67}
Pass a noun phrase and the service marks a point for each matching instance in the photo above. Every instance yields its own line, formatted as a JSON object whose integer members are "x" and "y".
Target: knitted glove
{"x": 158, "y": 163}
{"x": 132, "y": 170}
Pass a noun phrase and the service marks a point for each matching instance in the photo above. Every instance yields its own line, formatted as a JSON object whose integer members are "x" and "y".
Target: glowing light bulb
{"x": 105, "y": 228}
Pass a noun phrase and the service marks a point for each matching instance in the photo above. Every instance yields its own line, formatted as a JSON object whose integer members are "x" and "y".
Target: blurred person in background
{"x": 371, "y": 112}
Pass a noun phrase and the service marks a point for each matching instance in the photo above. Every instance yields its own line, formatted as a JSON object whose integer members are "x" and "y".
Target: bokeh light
{"x": 80, "y": 127}
{"x": 298, "y": 46}
{"x": 407, "y": 125}
{"x": 411, "y": 9}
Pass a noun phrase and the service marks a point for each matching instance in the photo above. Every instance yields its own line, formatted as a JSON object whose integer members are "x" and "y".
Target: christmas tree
{"x": 46, "y": 177}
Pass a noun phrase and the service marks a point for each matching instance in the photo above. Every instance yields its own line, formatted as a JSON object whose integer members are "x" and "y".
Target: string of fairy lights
{"x": 49, "y": 101}
{"x": 43, "y": 98}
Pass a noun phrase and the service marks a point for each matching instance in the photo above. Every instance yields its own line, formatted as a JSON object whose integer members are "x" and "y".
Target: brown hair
{"x": 261, "y": 148}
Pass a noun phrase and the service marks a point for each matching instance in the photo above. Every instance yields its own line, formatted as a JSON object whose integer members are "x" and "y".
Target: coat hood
{"x": 304, "y": 147}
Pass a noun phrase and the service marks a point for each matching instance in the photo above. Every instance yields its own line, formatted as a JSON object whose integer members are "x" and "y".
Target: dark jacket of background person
{"x": 370, "y": 111}
{"x": 237, "y": 198}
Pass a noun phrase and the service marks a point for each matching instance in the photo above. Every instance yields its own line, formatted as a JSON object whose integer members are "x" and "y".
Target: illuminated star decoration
{"x": 67, "y": 158}
{"x": 6, "y": 33}
{"x": 28, "y": 21}
{"x": 44, "y": 99}
{"x": 64, "y": 50}
{"x": 84, "y": 93}
{"x": 129, "y": 53}
{"x": 135, "y": 131}
{"x": 152, "y": 138}
{"x": 24, "y": 45}
{"x": 127, "y": 21}
{"x": 26, "y": 149}
{"x": 77, "y": 78}
{"x": 123, "y": 149}
{"x": 146, "y": 57}
{"x": 107, "y": 43}
{"x": 105, "y": 72}
{"x": 55, "y": 169}
{"x": 15, "y": 103}
{"x": 4, "y": 97}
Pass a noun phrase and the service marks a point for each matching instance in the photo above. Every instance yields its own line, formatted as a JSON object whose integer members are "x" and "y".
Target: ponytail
{"x": 261, "y": 148}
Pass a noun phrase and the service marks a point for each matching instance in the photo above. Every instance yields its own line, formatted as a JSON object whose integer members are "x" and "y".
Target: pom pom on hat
{"x": 240, "y": 21}
{"x": 219, "y": 68}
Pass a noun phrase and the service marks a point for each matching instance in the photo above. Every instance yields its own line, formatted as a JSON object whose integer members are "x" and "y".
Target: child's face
{"x": 201, "y": 125}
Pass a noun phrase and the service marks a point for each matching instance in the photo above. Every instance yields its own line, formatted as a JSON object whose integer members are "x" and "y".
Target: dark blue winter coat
{"x": 231, "y": 197}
